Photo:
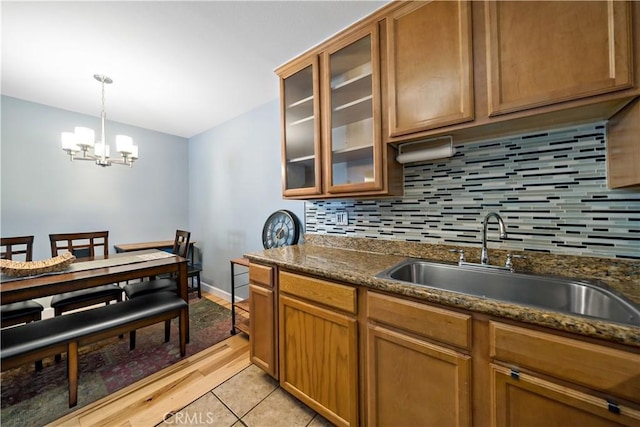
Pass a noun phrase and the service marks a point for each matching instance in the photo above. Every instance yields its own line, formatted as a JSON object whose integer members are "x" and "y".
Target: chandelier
{"x": 82, "y": 139}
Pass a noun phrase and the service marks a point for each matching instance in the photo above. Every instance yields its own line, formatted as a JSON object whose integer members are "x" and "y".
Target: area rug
{"x": 31, "y": 398}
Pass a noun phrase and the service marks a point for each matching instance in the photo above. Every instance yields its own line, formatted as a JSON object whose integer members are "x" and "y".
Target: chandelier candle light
{"x": 82, "y": 139}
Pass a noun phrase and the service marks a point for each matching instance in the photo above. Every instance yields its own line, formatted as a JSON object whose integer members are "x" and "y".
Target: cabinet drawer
{"x": 330, "y": 294}
{"x": 442, "y": 325}
{"x": 602, "y": 368}
{"x": 261, "y": 275}
{"x": 531, "y": 401}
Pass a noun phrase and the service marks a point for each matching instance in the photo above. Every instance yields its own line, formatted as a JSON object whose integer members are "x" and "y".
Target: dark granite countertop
{"x": 359, "y": 267}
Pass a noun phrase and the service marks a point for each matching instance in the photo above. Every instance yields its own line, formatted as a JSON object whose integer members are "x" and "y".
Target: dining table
{"x": 97, "y": 271}
{"x": 164, "y": 245}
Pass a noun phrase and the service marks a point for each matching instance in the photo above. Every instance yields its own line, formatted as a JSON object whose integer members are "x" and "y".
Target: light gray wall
{"x": 43, "y": 192}
{"x": 234, "y": 185}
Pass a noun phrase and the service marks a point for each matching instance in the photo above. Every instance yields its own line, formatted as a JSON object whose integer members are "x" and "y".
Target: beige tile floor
{"x": 250, "y": 398}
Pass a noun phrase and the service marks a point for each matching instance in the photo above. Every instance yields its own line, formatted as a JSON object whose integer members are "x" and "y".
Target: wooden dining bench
{"x": 34, "y": 341}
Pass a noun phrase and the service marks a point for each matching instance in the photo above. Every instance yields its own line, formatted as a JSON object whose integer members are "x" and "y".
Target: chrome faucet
{"x": 484, "y": 257}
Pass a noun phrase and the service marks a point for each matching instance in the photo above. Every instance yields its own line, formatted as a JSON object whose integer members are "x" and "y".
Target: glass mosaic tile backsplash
{"x": 549, "y": 187}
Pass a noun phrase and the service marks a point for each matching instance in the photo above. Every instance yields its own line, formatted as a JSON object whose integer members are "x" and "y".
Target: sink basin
{"x": 557, "y": 294}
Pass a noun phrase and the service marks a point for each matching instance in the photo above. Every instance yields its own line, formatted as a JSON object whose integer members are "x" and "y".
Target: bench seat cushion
{"x": 19, "y": 309}
{"x": 88, "y": 294}
{"x": 137, "y": 289}
{"x": 72, "y": 327}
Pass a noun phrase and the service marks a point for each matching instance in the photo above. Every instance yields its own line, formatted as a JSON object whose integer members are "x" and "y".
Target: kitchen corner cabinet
{"x": 331, "y": 122}
{"x": 318, "y": 346}
{"x": 414, "y": 377}
{"x": 262, "y": 323}
{"x": 429, "y": 66}
{"x": 541, "y": 53}
{"x": 543, "y": 379}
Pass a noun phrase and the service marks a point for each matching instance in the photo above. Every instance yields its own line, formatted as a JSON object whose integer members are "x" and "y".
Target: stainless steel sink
{"x": 557, "y": 294}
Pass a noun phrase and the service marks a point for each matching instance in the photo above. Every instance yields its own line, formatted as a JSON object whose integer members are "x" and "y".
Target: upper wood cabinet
{"x": 300, "y": 112}
{"x": 527, "y": 66}
{"x": 429, "y": 66}
{"x": 541, "y": 53}
{"x": 414, "y": 70}
{"x": 352, "y": 113}
{"x": 331, "y": 121}
{"x": 623, "y": 147}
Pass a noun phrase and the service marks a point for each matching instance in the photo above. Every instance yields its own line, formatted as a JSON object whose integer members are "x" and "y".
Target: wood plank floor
{"x": 146, "y": 402}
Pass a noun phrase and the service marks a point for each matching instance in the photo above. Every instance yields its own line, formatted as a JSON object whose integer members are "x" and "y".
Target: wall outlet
{"x": 342, "y": 218}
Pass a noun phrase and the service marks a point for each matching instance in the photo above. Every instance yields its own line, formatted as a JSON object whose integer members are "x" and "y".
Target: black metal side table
{"x": 243, "y": 325}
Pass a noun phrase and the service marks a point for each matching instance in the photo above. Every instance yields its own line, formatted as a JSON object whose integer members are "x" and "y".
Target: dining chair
{"x": 159, "y": 284}
{"x": 193, "y": 271}
{"x": 83, "y": 245}
{"x": 24, "y": 311}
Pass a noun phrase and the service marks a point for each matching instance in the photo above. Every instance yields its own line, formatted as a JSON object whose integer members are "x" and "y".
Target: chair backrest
{"x": 12, "y": 246}
{"x": 181, "y": 243}
{"x": 82, "y": 245}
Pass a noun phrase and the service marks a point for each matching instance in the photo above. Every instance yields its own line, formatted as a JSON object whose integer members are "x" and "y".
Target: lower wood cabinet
{"x": 387, "y": 360}
{"x": 554, "y": 380}
{"x": 262, "y": 323}
{"x": 319, "y": 346}
{"x": 411, "y": 380}
{"x": 522, "y": 400}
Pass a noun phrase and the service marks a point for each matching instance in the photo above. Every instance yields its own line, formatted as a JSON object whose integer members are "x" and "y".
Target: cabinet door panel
{"x": 430, "y": 66}
{"x": 318, "y": 359}
{"x": 351, "y": 114}
{"x": 301, "y": 153}
{"x": 598, "y": 367}
{"x": 415, "y": 383}
{"x": 262, "y": 329}
{"x": 528, "y": 401}
{"x": 586, "y": 47}
{"x": 623, "y": 147}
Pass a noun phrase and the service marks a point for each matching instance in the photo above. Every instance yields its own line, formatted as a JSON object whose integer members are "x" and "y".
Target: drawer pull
{"x": 613, "y": 407}
{"x": 515, "y": 374}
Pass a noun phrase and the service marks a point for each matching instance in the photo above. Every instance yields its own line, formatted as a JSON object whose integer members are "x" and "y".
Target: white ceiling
{"x": 178, "y": 67}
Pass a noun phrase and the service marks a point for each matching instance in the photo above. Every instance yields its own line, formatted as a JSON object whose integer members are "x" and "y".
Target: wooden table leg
{"x": 184, "y": 332}
{"x": 72, "y": 372}
{"x": 183, "y": 292}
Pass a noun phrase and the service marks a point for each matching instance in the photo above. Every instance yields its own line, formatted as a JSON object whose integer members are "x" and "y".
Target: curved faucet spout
{"x": 484, "y": 257}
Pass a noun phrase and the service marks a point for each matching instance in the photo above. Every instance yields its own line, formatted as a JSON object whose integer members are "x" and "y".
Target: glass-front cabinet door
{"x": 351, "y": 103}
{"x": 300, "y": 103}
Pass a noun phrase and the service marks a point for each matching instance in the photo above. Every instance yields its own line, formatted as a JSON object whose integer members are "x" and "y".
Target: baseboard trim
{"x": 218, "y": 292}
